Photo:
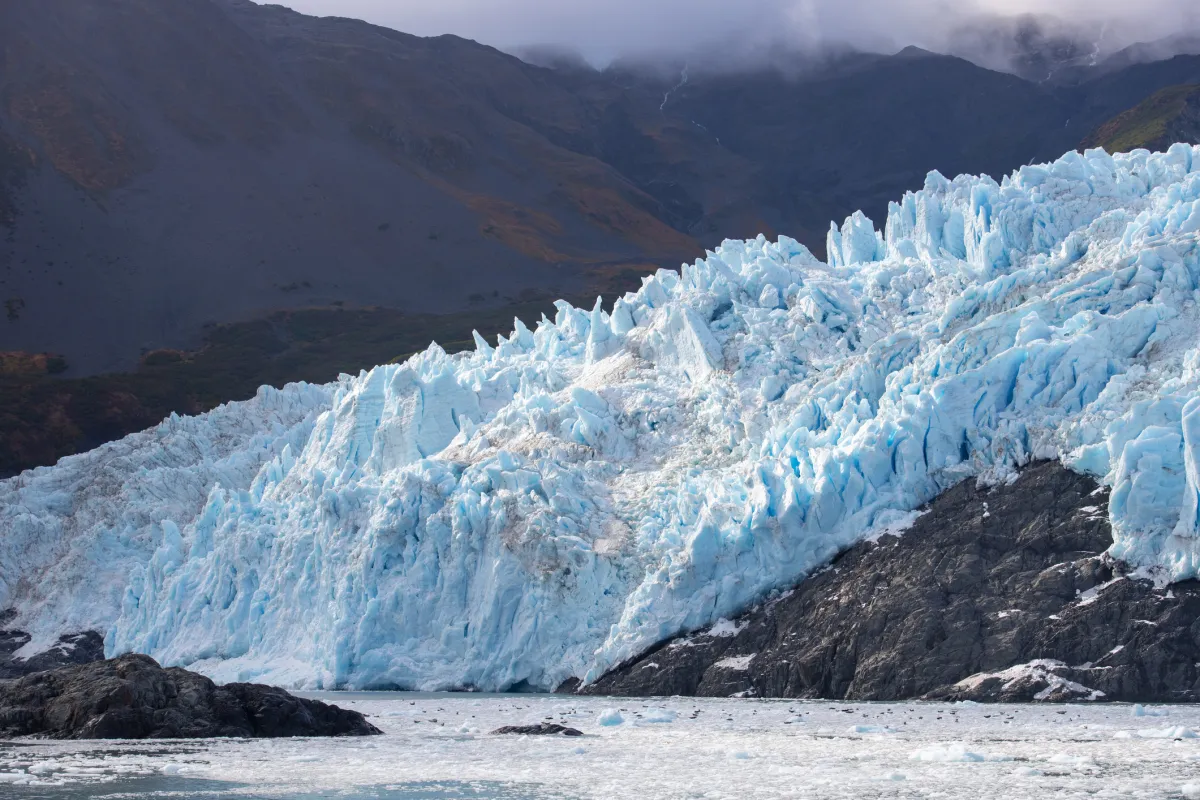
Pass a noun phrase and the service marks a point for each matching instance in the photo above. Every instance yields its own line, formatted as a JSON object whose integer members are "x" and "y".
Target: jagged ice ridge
{"x": 549, "y": 506}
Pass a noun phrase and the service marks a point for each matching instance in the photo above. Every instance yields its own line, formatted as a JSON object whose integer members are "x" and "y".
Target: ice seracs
{"x": 549, "y": 506}
{"x": 72, "y": 532}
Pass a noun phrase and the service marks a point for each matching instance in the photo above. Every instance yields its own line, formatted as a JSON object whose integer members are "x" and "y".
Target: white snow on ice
{"x": 440, "y": 747}
{"x": 551, "y": 505}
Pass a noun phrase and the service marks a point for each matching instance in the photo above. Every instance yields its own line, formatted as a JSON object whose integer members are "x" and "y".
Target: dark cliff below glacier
{"x": 999, "y": 593}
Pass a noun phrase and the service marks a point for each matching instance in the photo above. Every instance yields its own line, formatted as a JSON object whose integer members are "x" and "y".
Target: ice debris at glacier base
{"x": 548, "y": 506}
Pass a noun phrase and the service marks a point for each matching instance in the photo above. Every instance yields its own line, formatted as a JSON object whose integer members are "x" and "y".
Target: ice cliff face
{"x": 551, "y": 505}
{"x": 70, "y": 534}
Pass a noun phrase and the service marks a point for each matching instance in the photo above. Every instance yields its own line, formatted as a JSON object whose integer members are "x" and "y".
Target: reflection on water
{"x": 176, "y": 788}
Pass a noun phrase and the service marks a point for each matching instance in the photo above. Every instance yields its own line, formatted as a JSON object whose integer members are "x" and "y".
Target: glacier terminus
{"x": 548, "y": 506}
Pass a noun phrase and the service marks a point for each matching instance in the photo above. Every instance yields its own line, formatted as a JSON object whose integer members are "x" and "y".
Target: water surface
{"x": 439, "y": 747}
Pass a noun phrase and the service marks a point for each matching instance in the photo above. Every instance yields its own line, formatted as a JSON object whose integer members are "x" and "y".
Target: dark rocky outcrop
{"x": 993, "y": 594}
{"x": 74, "y": 648}
{"x": 132, "y": 697}
{"x": 541, "y": 729}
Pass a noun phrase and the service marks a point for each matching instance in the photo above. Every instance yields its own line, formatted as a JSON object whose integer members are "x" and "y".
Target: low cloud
{"x": 727, "y": 30}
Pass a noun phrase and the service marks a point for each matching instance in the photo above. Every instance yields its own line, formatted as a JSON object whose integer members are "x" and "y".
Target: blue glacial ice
{"x": 550, "y": 505}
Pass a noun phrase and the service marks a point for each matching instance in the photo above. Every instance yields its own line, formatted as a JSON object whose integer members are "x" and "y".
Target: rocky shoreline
{"x": 132, "y": 697}
{"x": 994, "y": 594}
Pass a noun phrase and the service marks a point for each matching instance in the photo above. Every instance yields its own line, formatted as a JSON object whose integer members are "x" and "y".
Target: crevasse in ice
{"x": 548, "y": 506}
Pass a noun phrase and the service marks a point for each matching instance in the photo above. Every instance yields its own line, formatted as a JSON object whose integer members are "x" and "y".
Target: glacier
{"x": 547, "y": 506}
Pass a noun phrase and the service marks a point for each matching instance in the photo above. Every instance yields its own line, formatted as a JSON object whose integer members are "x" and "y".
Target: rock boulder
{"x": 132, "y": 697}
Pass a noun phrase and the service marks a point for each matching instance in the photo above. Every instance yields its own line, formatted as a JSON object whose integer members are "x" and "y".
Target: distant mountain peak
{"x": 912, "y": 51}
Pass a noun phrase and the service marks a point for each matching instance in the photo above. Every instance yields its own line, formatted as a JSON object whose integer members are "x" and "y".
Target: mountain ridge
{"x": 312, "y": 161}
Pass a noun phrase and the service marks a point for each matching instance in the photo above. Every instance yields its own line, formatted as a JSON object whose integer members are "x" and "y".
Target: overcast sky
{"x": 603, "y": 29}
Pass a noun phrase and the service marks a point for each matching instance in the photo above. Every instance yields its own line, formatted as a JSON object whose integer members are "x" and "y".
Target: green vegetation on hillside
{"x": 43, "y": 418}
{"x": 1167, "y": 116}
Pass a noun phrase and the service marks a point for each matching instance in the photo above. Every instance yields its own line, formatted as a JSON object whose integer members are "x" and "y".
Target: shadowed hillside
{"x": 173, "y": 163}
{"x": 1166, "y": 117}
{"x": 172, "y": 169}
{"x": 166, "y": 164}
{"x": 43, "y": 418}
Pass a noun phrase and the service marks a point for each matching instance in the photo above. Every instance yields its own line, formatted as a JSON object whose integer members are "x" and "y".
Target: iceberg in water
{"x": 550, "y": 505}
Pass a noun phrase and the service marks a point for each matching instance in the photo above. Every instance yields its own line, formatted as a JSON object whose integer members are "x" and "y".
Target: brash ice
{"x": 551, "y": 505}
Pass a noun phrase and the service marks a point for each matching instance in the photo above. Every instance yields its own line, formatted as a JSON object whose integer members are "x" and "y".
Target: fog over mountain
{"x": 210, "y": 195}
{"x": 991, "y": 32}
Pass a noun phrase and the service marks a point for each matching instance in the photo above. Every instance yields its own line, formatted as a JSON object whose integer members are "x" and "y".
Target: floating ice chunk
{"x": 956, "y": 752}
{"x": 1140, "y": 710}
{"x": 1170, "y": 732}
{"x": 610, "y": 717}
{"x": 656, "y": 716}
